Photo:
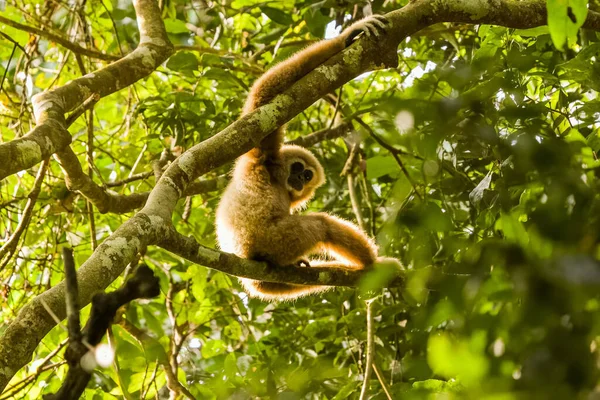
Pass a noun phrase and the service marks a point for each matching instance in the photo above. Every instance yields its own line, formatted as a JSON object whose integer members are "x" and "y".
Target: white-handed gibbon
{"x": 255, "y": 217}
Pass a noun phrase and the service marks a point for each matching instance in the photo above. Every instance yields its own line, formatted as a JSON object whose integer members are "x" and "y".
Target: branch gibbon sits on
{"x": 254, "y": 217}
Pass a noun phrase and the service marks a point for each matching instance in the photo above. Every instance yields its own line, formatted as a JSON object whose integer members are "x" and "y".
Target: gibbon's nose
{"x": 296, "y": 182}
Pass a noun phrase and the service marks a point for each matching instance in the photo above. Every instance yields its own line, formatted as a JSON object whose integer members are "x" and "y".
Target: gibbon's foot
{"x": 303, "y": 263}
{"x": 266, "y": 259}
{"x": 272, "y": 265}
{"x": 369, "y": 26}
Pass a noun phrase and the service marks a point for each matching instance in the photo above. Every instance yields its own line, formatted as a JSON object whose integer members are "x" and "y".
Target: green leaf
{"x": 183, "y": 61}
{"x": 381, "y": 165}
{"x": 230, "y": 365}
{"x": 175, "y": 26}
{"x": 565, "y": 17}
{"x": 279, "y": 16}
{"x": 453, "y": 357}
{"x": 532, "y": 32}
{"x": 213, "y": 348}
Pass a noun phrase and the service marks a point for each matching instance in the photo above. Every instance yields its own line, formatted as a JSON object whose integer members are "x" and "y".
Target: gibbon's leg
{"x": 296, "y": 236}
{"x": 348, "y": 242}
{"x": 283, "y": 75}
{"x": 293, "y": 238}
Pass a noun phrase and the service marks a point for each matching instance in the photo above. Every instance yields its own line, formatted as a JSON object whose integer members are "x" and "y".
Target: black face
{"x": 299, "y": 176}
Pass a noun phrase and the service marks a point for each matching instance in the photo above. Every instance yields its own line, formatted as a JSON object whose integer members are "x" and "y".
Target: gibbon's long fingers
{"x": 382, "y": 25}
{"x": 381, "y": 21}
{"x": 369, "y": 26}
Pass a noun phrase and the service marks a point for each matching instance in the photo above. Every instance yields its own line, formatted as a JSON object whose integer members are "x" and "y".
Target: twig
{"x": 395, "y": 153}
{"x": 370, "y": 350}
{"x": 8, "y": 250}
{"x": 356, "y": 203}
{"x": 322, "y": 135}
{"x": 67, "y": 44}
{"x": 382, "y": 381}
{"x": 88, "y": 103}
{"x": 129, "y": 179}
{"x": 12, "y": 53}
{"x": 15, "y": 43}
{"x": 73, "y": 324}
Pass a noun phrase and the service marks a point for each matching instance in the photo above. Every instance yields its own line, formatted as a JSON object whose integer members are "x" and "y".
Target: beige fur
{"x": 254, "y": 218}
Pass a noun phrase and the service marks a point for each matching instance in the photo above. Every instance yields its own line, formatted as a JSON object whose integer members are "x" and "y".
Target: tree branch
{"x": 231, "y": 264}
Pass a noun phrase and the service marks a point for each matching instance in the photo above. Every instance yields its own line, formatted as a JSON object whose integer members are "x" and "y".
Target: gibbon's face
{"x": 300, "y": 176}
{"x": 305, "y": 174}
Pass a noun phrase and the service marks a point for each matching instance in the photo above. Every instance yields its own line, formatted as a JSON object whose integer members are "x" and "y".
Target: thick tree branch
{"x": 50, "y": 134}
{"x": 153, "y": 222}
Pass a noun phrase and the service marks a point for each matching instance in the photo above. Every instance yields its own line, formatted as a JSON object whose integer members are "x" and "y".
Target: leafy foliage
{"x": 477, "y": 168}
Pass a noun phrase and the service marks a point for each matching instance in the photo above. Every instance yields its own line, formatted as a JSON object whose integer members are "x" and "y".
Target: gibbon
{"x": 255, "y": 217}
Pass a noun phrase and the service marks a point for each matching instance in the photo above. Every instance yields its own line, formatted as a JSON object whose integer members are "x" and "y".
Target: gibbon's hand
{"x": 373, "y": 25}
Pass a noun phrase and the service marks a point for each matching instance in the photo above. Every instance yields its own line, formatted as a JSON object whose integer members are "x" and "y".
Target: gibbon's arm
{"x": 285, "y": 74}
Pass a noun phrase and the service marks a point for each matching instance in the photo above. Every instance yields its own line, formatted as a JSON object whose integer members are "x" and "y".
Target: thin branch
{"x": 8, "y": 250}
{"x": 83, "y": 107}
{"x": 370, "y": 353}
{"x": 384, "y": 385}
{"x": 393, "y": 151}
{"x": 15, "y": 43}
{"x": 132, "y": 178}
{"x": 73, "y": 324}
{"x": 12, "y": 53}
{"x": 322, "y": 135}
{"x": 67, "y": 44}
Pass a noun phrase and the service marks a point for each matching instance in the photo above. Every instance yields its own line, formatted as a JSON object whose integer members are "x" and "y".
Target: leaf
{"x": 453, "y": 357}
{"x": 230, "y": 366}
{"x": 565, "y": 17}
{"x": 439, "y": 386}
{"x": 476, "y": 194}
{"x": 278, "y": 16}
{"x": 316, "y": 21}
{"x": 183, "y": 61}
{"x": 532, "y": 32}
{"x": 213, "y": 348}
{"x": 381, "y": 165}
{"x": 175, "y": 26}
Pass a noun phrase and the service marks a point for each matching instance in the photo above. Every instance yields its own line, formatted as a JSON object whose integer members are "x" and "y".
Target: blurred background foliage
{"x": 477, "y": 167}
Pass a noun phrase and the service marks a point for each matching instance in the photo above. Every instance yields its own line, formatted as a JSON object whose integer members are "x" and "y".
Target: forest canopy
{"x": 463, "y": 139}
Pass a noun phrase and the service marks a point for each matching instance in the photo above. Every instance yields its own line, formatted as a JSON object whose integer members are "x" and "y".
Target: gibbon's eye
{"x": 308, "y": 175}
{"x": 296, "y": 168}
